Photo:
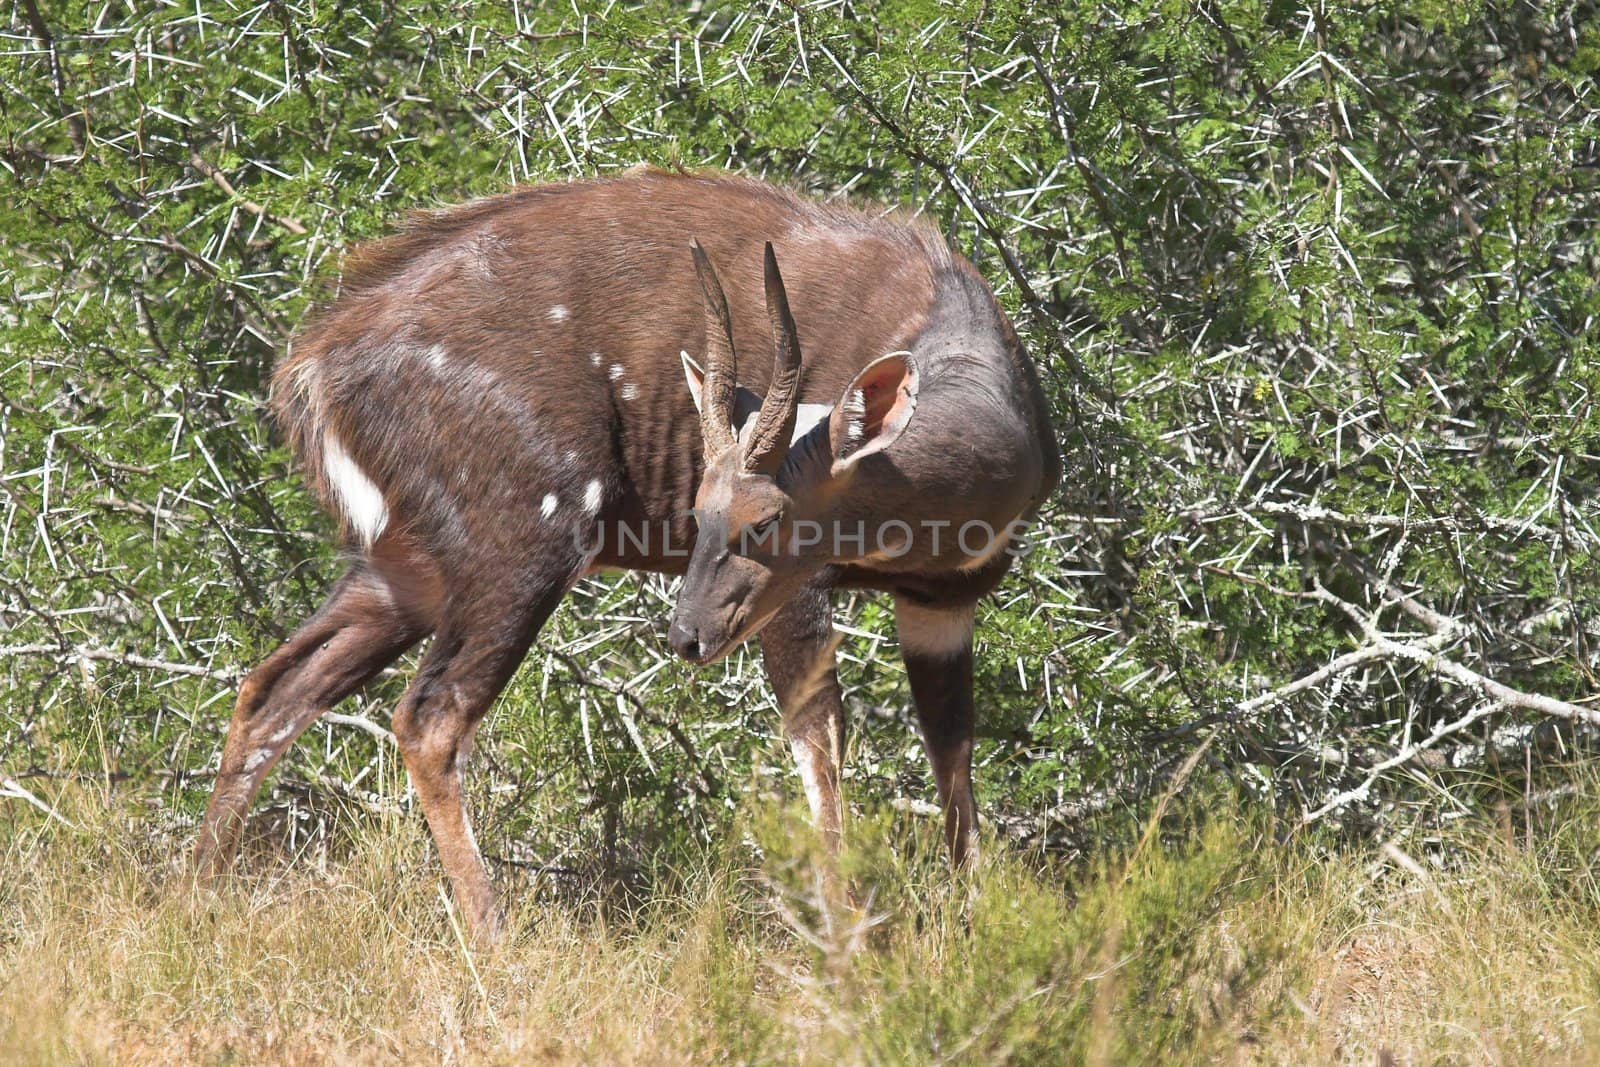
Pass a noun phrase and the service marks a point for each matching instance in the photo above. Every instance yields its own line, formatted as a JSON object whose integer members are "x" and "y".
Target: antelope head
{"x": 769, "y": 502}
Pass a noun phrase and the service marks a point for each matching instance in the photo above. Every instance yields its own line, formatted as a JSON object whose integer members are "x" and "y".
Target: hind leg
{"x": 357, "y": 632}
{"x": 476, "y": 651}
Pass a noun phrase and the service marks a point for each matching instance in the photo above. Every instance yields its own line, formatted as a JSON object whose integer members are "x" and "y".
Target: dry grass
{"x": 1229, "y": 945}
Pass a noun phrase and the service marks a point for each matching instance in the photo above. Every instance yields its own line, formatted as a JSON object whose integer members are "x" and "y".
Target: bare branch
{"x": 58, "y": 78}
{"x": 294, "y": 226}
{"x": 111, "y": 655}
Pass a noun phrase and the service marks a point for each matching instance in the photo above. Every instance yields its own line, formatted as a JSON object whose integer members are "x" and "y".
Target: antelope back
{"x": 514, "y": 365}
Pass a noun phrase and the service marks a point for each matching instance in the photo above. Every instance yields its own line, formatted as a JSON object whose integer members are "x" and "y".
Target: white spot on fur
{"x": 591, "y": 496}
{"x": 437, "y": 357}
{"x": 486, "y": 383}
{"x": 933, "y": 631}
{"x": 595, "y": 359}
{"x": 569, "y": 457}
{"x": 281, "y": 734}
{"x": 362, "y": 503}
{"x": 257, "y": 758}
{"x": 547, "y": 507}
{"x": 616, "y": 371}
{"x": 630, "y": 392}
{"x": 557, "y": 312}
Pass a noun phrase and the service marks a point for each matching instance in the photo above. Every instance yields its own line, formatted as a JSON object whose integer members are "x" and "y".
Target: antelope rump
{"x": 514, "y": 393}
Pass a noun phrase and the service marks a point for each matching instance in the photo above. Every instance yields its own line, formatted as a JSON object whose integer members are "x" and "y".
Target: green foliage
{"x": 1311, "y": 291}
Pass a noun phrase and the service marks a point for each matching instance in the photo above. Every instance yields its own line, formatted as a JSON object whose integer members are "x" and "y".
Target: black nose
{"x": 684, "y": 642}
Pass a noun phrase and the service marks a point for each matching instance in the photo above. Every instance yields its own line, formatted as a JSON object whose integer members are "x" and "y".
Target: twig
{"x": 1426, "y": 652}
{"x": 1364, "y": 654}
{"x": 1404, "y": 756}
{"x": 360, "y": 722}
{"x": 1512, "y": 698}
{"x": 222, "y": 182}
{"x": 58, "y": 79}
{"x": 111, "y": 655}
{"x": 1313, "y": 513}
{"x": 10, "y": 787}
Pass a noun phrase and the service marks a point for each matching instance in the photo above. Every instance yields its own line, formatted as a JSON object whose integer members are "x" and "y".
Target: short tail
{"x": 297, "y": 402}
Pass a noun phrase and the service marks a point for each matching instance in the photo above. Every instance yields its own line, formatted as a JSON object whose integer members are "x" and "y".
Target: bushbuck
{"x": 503, "y": 398}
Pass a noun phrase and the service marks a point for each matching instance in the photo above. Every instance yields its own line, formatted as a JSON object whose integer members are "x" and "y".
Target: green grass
{"x": 1221, "y": 939}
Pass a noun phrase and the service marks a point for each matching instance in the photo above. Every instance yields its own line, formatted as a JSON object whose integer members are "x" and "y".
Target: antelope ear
{"x": 695, "y": 375}
{"x": 874, "y": 410}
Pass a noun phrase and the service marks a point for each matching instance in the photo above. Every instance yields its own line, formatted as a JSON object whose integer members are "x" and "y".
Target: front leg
{"x": 936, "y": 644}
{"x": 797, "y": 647}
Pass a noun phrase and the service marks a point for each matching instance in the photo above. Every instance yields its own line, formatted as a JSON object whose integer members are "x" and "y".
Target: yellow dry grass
{"x": 1226, "y": 944}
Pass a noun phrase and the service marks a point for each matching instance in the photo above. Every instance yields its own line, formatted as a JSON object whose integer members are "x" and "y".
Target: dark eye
{"x": 758, "y": 535}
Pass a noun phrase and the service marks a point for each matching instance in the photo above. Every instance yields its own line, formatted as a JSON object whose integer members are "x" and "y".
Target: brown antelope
{"x": 503, "y": 398}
